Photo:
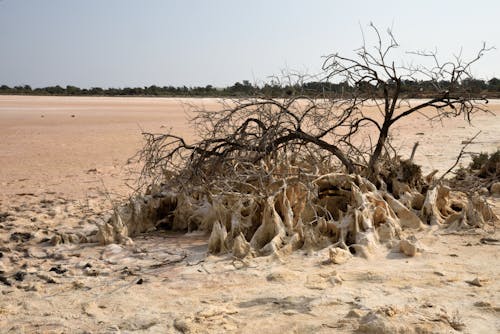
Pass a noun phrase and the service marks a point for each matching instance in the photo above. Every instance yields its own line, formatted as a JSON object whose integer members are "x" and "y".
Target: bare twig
{"x": 458, "y": 157}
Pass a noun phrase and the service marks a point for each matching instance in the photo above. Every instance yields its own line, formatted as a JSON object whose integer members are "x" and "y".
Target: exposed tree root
{"x": 336, "y": 210}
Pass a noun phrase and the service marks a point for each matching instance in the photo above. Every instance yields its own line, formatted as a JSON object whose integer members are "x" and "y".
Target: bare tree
{"x": 251, "y": 129}
{"x": 269, "y": 175}
{"x": 380, "y": 81}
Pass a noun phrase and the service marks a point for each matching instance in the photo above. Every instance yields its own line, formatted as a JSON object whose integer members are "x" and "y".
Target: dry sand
{"x": 55, "y": 171}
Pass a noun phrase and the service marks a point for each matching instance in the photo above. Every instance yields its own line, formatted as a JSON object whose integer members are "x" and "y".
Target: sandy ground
{"x": 53, "y": 144}
{"x": 60, "y": 159}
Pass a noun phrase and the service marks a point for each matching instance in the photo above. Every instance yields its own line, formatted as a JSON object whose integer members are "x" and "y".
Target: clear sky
{"x": 119, "y": 43}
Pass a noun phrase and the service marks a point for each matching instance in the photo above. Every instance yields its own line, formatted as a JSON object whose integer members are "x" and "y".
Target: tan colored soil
{"x": 55, "y": 171}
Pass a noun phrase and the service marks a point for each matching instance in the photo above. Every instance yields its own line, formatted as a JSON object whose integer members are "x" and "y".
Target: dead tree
{"x": 251, "y": 129}
{"x": 271, "y": 174}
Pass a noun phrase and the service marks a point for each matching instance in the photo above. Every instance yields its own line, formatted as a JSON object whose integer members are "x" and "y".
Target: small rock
{"x": 495, "y": 189}
{"x": 290, "y": 312}
{"x": 408, "y": 247}
{"x": 489, "y": 241}
{"x": 46, "y": 278}
{"x": 112, "y": 253}
{"x": 43, "y": 240}
{"x": 31, "y": 287}
{"x": 377, "y": 323}
{"x": 87, "y": 265}
{"x": 482, "y": 304}
{"x": 113, "y": 329}
{"x": 389, "y": 311}
{"x": 126, "y": 271}
{"x": 484, "y": 191}
{"x": 3, "y": 267}
{"x": 3, "y": 216}
{"x": 21, "y": 236}
{"x": 184, "y": 325}
{"x": 281, "y": 276}
{"x": 37, "y": 253}
{"x": 140, "y": 281}
{"x": 33, "y": 270}
{"x": 58, "y": 269}
{"x": 354, "y": 314}
{"x": 78, "y": 285}
{"x": 60, "y": 256}
{"x": 19, "y": 276}
{"x": 90, "y": 309}
{"x": 427, "y": 305}
{"x": 5, "y": 281}
{"x": 14, "y": 258}
{"x": 316, "y": 282}
{"x": 91, "y": 272}
{"x": 336, "y": 279}
{"x": 339, "y": 255}
{"x": 476, "y": 282}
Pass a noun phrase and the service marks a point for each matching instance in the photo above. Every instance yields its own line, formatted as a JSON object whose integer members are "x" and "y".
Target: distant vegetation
{"x": 409, "y": 88}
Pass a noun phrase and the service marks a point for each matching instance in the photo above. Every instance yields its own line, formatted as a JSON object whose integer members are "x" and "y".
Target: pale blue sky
{"x": 122, "y": 43}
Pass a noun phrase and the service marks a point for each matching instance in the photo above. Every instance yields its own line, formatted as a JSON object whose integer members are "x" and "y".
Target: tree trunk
{"x": 384, "y": 132}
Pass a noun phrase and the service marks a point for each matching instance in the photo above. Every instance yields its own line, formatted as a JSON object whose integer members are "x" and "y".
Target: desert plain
{"x": 65, "y": 161}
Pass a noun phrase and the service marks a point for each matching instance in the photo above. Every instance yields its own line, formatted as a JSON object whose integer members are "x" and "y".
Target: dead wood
{"x": 270, "y": 176}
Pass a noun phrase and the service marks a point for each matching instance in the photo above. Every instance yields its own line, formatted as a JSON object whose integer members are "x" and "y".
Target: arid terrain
{"x": 64, "y": 161}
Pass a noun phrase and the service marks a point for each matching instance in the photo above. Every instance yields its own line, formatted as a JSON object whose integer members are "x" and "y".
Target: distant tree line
{"x": 415, "y": 89}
